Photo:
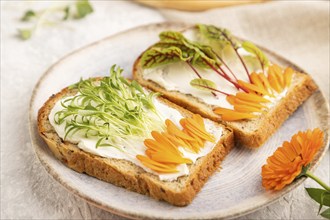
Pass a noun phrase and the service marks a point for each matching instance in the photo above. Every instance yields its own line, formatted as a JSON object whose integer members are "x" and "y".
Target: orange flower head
{"x": 288, "y": 160}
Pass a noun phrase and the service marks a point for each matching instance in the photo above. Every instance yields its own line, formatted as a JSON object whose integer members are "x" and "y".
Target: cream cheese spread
{"x": 134, "y": 145}
{"x": 177, "y": 77}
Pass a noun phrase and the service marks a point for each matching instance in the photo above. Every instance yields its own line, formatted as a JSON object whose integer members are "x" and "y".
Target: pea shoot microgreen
{"x": 111, "y": 109}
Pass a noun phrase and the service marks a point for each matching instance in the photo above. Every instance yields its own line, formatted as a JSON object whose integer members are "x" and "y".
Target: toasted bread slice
{"x": 251, "y": 133}
{"x": 124, "y": 173}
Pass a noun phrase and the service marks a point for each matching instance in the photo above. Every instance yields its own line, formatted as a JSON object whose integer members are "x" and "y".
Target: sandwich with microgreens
{"x": 208, "y": 71}
{"x": 119, "y": 132}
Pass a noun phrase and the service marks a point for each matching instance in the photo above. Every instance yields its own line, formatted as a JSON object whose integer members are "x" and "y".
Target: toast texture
{"x": 250, "y": 133}
{"x": 125, "y": 174}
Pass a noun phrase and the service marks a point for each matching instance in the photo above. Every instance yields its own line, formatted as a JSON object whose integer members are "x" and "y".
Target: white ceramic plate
{"x": 234, "y": 191}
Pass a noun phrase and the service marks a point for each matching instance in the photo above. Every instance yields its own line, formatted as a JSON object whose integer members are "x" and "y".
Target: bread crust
{"x": 128, "y": 175}
{"x": 251, "y": 133}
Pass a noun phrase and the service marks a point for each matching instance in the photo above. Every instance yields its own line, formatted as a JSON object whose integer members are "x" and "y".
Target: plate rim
{"x": 131, "y": 214}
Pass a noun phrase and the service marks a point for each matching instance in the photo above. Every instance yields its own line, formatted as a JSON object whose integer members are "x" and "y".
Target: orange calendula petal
{"x": 288, "y": 73}
{"x": 280, "y": 155}
{"x": 195, "y": 146}
{"x": 162, "y": 140}
{"x": 195, "y": 125}
{"x": 231, "y": 115}
{"x": 247, "y": 103}
{"x": 199, "y": 120}
{"x": 175, "y": 140}
{"x": 246, "y": 109}
{"x": 278, "y": 73}
{"x": 191, "y": 146}
{"x": 197, "y": 138}
{"x": 191, "y": 126}
{"x": 237, "y": 116}
{"x": 252, "y": 88}
{"x": 150, "y": 152}
{"x": 164, "y": 143}
{"x": 256, "y": 80}
{"x": 266, "y": 83}
{"x": 156, "y": 146}
{"x": 155, "y": 166}
{"x": 274, "y": 83}
{"x": 231, "y": 99}
{"x": 221, "y": 111}
{"x": 151, "y": 144}
{"x": 174, "y": 130}
{"x": 143, "y": 158}
{"x": 169, "y": 158}
{"x": 251, "y": 97}
{"x": 290, "y": 152}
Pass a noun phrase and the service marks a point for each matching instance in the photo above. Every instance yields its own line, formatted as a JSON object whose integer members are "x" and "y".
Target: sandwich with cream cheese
{"x": 122, "y": 133}
{"x": 208, "y": 71}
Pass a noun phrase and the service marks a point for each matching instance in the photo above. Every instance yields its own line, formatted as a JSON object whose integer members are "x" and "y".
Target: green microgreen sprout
{"x": 53, "y": 15}
{"x": 112, "y": 110}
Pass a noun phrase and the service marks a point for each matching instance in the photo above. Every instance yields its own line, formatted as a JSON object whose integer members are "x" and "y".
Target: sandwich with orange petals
{"x": 210, "y": 72}
{"x": 117, "y": 131}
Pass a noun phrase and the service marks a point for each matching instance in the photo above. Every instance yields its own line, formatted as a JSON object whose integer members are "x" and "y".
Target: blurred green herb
{"x": 25, "y": 33}
{"x": 28, "y": 15}
{"x": 83, "y": 8}
{"x": 76, "y": 10}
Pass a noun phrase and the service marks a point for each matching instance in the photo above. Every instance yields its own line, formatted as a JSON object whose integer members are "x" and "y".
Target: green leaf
{"x": 83, "y": 8}
{"x": 206, "y": 57}
{"x": 25, "y": 34}
{"x": 137, "y": 86}
{"x": 28, "y": 15}
{"x": 326, "y": 213}
{"x": 157, "y": 56}
{"x": 253, "y": 49}
{"x": 321, "y": 196}
{"x": 202, "y": 55}
{"x": 175, "y": 47}
{"x": 316, "y": 194}
{"x": 203, "y": 84}
{"x": 66, "y": 13}
{"x": 326, "y": 199}
{"x": 252, "y": 63}
{"x": 220, "y": 35}
{"x": 171, "y": 37}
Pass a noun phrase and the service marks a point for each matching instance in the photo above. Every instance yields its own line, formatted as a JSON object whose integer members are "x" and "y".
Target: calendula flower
{"x": 288, "y": 161}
